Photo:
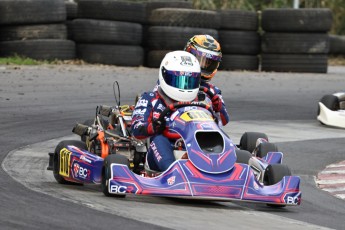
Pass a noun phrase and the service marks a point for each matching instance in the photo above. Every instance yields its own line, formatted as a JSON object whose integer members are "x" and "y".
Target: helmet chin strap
{"x": 167, "y": 100}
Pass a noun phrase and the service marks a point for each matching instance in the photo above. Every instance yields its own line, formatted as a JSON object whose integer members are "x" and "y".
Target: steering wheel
{"x": 207, "y": 91}
{"x": 173, "y": 107}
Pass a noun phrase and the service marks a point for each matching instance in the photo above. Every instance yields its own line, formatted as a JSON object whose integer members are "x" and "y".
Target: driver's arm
{"x": 142, "y": 116}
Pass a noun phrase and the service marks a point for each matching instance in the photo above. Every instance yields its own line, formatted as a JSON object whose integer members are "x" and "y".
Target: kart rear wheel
{"x": 106, "y": 172}
{"x": 243, "y": 156}
{"x": 56, "y": 160}
{"x": 331, "y": 102}
{"x": 274, "y": 173}
{"x": 248, "y": 140}
{"x": 265, "y": 148}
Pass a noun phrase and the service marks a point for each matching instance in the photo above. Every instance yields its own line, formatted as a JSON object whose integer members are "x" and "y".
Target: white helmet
{"x": 179, "y": 76}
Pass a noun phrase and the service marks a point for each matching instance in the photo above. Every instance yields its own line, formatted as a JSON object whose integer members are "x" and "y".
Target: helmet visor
{"x": 181, "y": 79}
{"x": 208, "y": 62}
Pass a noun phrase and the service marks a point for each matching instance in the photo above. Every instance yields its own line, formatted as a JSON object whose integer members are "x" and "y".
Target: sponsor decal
{"x": 161, "y": 107}
{"x": 117, "y": 189}
{"x": 156, "y": 115}
{"x": 81, "y": 172}
{"x": 83, "y": 158}
{"x": 137, "y": 125}
{"x": 139, "y": 112}
{"x": 292, "y": 198}
{"x": 142, "y": 102}
{"x": 171, "y": 180}
{"x": 186, "y": 61}
{"x": 155, "y": 151}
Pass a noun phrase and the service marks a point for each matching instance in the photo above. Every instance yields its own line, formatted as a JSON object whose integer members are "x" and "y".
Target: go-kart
{"x": 331, "y": 110}
{"x": 208, "y": 164}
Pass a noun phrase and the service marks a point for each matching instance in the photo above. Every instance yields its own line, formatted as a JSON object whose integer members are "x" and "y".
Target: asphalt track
{"x": 39, "y": 105}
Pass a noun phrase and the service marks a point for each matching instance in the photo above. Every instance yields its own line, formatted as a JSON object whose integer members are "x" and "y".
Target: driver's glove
{"x": 217, "y": 103}
{"x": 158, "y": 126}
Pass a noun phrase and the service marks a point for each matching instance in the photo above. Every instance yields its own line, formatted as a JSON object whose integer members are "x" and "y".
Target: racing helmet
{"x": 179, "y": 76}
{"x": 207, "y": 50}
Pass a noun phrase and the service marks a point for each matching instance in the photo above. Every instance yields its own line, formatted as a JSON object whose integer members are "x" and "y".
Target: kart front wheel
{"x": 274, "y": 173}
{"x": 243, "y": 156}
{"x": 330, "y": 101}
{"x": 265, "y": 148}
{"x": 56, "y": 160}
{"x": 248, "y": 140}
{"x": 106, "y": 172}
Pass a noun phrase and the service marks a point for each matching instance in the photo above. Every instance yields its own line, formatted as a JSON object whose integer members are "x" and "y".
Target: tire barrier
{"x": 110, "y": 54}
{"x": 337, "y": 44}
{"x": 35, "y": 29}
{"x": 112, "y": 10}
{"x": 170, "y": 29}
{"x": 109, "y": 32}
{"x": 132, "y": 33}
{"x": 297, "y": 20}
{"x": 239, "y": 40}
{"x": 295, "y": 40}
{"x": 40, "y": 49}
{"x": 163, "y": 39}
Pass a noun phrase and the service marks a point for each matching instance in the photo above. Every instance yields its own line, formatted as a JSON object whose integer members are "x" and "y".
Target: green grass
{"x": 18, "y": 60}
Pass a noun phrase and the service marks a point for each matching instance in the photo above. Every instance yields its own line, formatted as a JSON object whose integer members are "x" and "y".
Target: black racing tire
{"x": 88, "y": 122}
{"x": 120, "y": 55}
{"x": 185, "y": 18}
{"x": 273, "y": 174}
{"x": 248, "y": 140}
{"x": 243, "y": 156}
{"x": 331, "y": 102}
{"x": 239, "y": 42}
{"x": 106, "y": 32}
{"x": 56, "y": 160}
{"x": 112, "y": 10}
{"x": 71, "y": 10}
{"x": 336, "y": 44}
{"x": 21, "y": 12}
{"x": 155, "y": 57}
{"x": 166, "y": 4}
{"x": 238, "y": 20}
{"x": 265, "y": 148}
{"x": 300, "y": 63}
{"x": 239, "y": 62}
{"x": 29, "y": 32}
{"x": 40, "y": 49}
{"x": 295, "y": 43}
{"x": 113, "y": 158}
{"x": 173, "y": 37}
{"x": 297, "y": 20}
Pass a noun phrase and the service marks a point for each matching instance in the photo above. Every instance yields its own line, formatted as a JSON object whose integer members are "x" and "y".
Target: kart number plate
{"x": 195, "y": 115}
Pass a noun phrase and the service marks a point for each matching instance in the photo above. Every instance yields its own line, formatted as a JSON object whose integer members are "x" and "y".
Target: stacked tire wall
{"x": 170, "y": 28}
{"x": 133, "y": 33}
{"x": 239, "y": 40}
{"x": 295, "y": 40}
{"x": 109, "y": 32}
{"x": 336, "y": 44}
{"x": 35, "y": 29}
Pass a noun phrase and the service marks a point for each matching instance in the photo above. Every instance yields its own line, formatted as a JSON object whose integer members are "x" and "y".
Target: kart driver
{"x": 208, "y": 52}
{"x": 179, "y": 77}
